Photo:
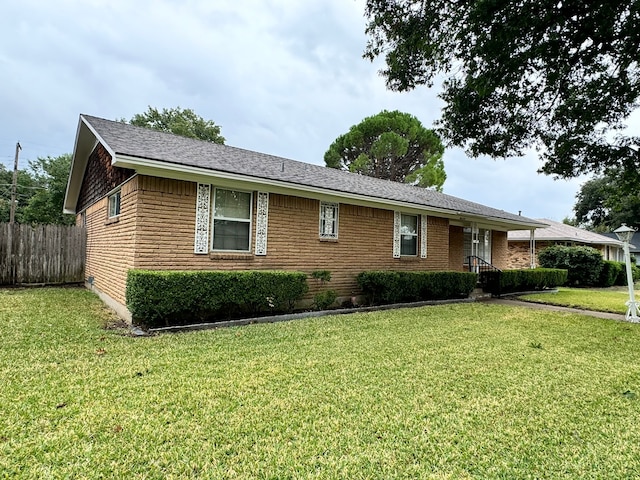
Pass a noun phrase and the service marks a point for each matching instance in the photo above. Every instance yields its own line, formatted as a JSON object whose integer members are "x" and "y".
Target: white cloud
{"x": 280, "y": 76}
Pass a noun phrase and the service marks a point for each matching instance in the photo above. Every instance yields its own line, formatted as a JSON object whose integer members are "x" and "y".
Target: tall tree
{"x": 50, "y": 177}
{"x": 390, "y": 145}
{"x": 605, "y": 202}
{"x": 559, "y": 76}
{"x": 183, "y": 122}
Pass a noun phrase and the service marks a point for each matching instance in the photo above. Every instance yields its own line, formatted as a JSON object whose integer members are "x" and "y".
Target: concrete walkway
{"x": 555, "y": 308}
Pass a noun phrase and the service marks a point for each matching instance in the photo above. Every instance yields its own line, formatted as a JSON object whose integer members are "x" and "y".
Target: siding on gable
{"x": 100, "y": 177}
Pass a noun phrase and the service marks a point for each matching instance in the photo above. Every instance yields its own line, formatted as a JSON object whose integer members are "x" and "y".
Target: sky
{"x": 283, "y": 77}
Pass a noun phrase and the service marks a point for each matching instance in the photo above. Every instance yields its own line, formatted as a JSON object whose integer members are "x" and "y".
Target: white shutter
{"x": 423, "y": 236}
{"x": 203, "y": 214}
{"x": 397, "y": 219}
{"x": 262, "y": 221}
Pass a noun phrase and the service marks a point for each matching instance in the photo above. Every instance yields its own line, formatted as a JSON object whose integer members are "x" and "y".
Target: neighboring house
{"x": 152, "y": 200}
{"x": 634, "y": 246}
{"x": 524, "y": 246}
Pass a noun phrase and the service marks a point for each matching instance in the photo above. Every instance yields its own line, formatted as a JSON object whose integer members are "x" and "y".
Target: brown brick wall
{"x": 100, "y": 177}
{"x": 156, "y": 231}
{"x": 166, "y": 225}
{"x": 456, "y": 248}
{"x": 111, "y": 242}
{"x": 499, "y": 249}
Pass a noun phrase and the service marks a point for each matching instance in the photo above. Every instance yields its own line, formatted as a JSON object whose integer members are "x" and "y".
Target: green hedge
{"x": 160, "y": 298}
{"x": 584, "y": 264}
{"x": 383, "y": 287}
{"x": 610, "y": 273}
{"x": 508, "y": 281}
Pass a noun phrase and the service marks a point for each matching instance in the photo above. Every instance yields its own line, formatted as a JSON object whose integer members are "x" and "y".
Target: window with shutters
{"x": 231, "y": 230}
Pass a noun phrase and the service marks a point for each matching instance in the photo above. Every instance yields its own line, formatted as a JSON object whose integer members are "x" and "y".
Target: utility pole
{"x": 14, "y": 184}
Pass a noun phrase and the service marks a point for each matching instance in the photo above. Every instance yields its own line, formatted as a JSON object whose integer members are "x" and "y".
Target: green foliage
{"x": 183, "y": 122}
{"x": 508, "y": 281}
{"x": 583, "y": 263}
{"x": 157, "y": 298}
{"x": 390, "y": 145}
{"x": 383, "y": 287}
{"x": 40, "y": 191}
{"x": 51, "y": 175}
{"x": 324, "y": 299}
{"x": 25, "y": 189}
{"x": 322, "y": 275}
{"x": 559, "y": 76}
{"x": 606, "y": 202}
{"x": 610, "y": 273}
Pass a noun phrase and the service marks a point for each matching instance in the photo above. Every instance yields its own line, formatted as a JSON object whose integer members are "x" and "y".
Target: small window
{"x": 328, "y": 220}
{"x": 231, "y": 220}
{"x": 114, "y": 204}
{"x": 409, "y": 235}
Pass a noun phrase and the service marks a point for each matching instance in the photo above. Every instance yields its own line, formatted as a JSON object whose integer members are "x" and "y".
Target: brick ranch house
{"x": 524, "y": 246}
{"x": 152, "y": 200}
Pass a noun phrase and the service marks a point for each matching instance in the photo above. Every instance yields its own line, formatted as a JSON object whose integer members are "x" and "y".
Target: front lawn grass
{"x": 601, "y": 300}
{"x": 451, "y": 391}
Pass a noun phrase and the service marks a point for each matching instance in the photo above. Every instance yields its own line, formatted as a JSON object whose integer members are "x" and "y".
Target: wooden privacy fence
{"x": 41, "y": 254}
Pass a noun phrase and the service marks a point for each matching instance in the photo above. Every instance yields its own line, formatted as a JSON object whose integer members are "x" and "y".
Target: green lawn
{"x": 603, "y": 300}
{"x": 451, "y": 391}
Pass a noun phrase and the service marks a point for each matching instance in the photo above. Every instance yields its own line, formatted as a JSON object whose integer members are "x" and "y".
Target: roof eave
{"x": 85, "y": 142}
{"x": 159, "y": 168}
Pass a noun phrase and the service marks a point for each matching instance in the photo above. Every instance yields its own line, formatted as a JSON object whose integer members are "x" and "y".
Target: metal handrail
{"x": 477, "y": 265}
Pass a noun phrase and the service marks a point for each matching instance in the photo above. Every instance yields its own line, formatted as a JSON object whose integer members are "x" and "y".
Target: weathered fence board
{"x": 41, "y": 254}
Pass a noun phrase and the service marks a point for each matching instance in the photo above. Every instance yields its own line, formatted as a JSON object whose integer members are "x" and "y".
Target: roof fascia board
{"x": 227, "y": 179}
{"x": 85, "y": 142}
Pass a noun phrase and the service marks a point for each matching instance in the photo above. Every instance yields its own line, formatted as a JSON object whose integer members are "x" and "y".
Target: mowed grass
{"x": 450, "y": 391}
{"x": 602, "y": 300}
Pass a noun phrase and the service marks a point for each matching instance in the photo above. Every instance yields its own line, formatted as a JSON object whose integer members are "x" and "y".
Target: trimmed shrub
{"x": 584, "y": 264}
{"x": 161, "y": 298}
{"x": 622, "y": 276}
{"x": 508, "y": 281}
{"x": 383, "y": 287}
{"x": 610, "y": 273}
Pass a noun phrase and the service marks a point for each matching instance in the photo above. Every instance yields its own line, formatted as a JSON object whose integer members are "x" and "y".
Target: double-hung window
{"x": 409, "y": 235}
{"x": 231, "y": 220}
{"x": 328, "y": 220}
{"x": 114, "y": 204}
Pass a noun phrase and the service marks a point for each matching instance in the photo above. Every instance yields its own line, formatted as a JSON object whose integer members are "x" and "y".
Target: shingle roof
{"x": 143, "y": 143}
{"x": 634, "y": 245}
{"x": 557, "y": 231}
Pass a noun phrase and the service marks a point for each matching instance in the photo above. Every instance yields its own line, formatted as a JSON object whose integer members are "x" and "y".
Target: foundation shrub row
{"x": 162, "y": 298}
{"x": 384, "y": 287}
{"x": 508, "y": 281}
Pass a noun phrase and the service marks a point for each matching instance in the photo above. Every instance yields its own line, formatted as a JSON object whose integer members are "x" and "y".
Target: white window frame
{"x": 417, "y": 217}
{"x": 239, "y": 220}
{"x": 322, "y": 225}
{"x": 114, "y": 204}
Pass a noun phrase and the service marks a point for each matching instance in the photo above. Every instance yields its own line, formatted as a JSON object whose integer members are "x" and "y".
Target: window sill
{"x": 112, "y": 220}
{"x": 231, "y": 256}
{"x": 328, "y": 240}
{"x": 410, "y": 258}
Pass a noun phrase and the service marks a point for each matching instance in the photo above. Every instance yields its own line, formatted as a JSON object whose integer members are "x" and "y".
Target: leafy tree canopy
{"x": 25, "y": 189}
{"x": 183, "y": 122}
{"x": 390, "y": 145}
{"x": 606, "y": 202}
{"x": 560, "y": 76}
{"x": 39, "y": 191}
{"x": 50, "y": 174}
